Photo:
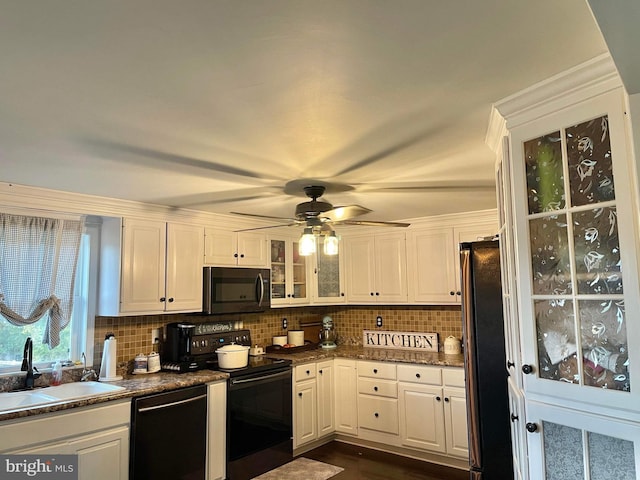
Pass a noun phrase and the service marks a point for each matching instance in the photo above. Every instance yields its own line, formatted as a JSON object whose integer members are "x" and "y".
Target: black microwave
{"x": 236, "y": 290}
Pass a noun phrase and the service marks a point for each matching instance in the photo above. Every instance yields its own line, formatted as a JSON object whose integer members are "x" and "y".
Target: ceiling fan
{"x": 320, "y": 216}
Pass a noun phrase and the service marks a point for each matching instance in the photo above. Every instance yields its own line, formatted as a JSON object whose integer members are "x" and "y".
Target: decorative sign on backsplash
{"x": 427, "y": 342}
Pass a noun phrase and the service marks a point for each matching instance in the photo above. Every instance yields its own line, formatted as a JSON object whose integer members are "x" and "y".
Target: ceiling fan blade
{"x": 372, "y": 223}
{"x": 152, "y": 158}
{"x": 269, "y": 226}
{"x": 429, "y": 187}
{"x": 269, "y": 217}
{"x": 345, "y": 212}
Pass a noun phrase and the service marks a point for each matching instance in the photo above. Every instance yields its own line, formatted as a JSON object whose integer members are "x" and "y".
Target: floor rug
{"x": 301, "y": 468}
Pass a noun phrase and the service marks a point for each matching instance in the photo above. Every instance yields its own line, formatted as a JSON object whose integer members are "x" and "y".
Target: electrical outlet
{"x": 378, "y": 321}
{"x": 156, "y": 335}
{"x": 284, "y": 323}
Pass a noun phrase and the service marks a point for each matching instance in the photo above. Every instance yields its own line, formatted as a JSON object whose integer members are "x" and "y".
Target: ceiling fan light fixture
{"x": 307, "y": 243}
{"x": 330, "y": 244}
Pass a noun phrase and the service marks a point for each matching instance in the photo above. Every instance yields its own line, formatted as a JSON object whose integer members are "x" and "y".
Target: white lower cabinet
{"x": 98, "y": 435}
{"x": 346, "y": 396}
{"x": 418, "y": 407}
{"x": 216, "y": 430}
{"x": 325, "y": 397}
{"x": 305, "y": 415}
{"x": 313, "y": 402}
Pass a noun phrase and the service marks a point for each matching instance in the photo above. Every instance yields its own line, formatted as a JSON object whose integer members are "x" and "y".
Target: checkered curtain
{"x": 38, "y": 258}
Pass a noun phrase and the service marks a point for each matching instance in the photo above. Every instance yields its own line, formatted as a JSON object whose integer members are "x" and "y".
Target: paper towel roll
{"x": 108, "y": 371}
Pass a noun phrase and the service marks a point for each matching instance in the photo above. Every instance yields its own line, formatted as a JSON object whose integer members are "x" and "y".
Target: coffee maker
{"x": 327, "y": 334}
{"x": 177, "y": 351}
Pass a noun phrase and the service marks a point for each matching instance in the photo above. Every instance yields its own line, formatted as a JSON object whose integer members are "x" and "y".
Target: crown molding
{"x": 577, "y": 84}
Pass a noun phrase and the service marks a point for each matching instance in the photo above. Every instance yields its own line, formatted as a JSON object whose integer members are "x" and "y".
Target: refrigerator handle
{"x": 475, "y": 460}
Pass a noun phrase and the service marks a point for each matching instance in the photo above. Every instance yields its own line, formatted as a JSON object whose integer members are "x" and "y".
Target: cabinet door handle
{"x": 163, "y": 299}
{"x": 377, "y": 293}
{"x": 371, "y": 293}
{"x": 242, "y": 255}
{"x": 376, "y": 415}
{"x": 527, "y": 369}
{"x": 459, "y": 293}
{"x": 235, "y": 255}
{"x": 342, "y": 294}
{"x": 170, "y": 299}
{"x": 510, "y": 364}
{"x": 514, "y": 417}
{"x": 446, "y": 399}
{"x": 300, "y": 394}
{"x": 452, "y": 293}
{"x": 437, "y": 399}
{"x": 531, "y": 427}
{"x": 320, "y": 372}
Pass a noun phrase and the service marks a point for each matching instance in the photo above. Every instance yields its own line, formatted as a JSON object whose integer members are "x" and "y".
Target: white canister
{"x": 153, "y": 362}
{"x": 280, "y": 340}
{"x": 295, "y": 337}
{"x": 452, "y": 345}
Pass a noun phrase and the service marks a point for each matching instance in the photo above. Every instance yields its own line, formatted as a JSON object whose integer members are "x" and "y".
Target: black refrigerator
{"x": 488, "y": 414}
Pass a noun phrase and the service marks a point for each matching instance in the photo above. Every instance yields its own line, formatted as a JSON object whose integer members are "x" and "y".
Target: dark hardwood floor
{"x": 365, "y": 464}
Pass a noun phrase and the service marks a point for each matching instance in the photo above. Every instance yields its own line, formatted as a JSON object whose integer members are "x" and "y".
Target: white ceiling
{"x": 197, "y": 103}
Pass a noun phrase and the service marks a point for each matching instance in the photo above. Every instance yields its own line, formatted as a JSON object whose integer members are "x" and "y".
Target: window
{"x": 77, "y": 337}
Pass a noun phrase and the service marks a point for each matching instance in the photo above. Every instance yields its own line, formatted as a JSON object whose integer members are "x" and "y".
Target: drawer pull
{"x": 320, "y": 371}
{"x": 376, "y": 415}
{"x": 417, "y": 375}
{"x": 375, "y": 370}
{"x": 300, "y": 394}
{"x": 375, "y": 389}
{"x": 308, "y": 372}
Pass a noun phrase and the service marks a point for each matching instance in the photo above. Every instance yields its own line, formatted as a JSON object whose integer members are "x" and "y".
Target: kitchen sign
{"x": 426, "y": 342}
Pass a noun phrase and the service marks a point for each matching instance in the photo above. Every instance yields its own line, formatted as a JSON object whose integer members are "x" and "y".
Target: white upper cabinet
{"x": 376, "y": 268}
{"x": 160, "y": 267}
{"x": 328, "y": 278}
{"x": 289, "y": 272}
{"x": 229, "y": 248}
{"x": 434, "y": 256}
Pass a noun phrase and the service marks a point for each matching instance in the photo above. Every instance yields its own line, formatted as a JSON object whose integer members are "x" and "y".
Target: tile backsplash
{"x": 134, "y": 333}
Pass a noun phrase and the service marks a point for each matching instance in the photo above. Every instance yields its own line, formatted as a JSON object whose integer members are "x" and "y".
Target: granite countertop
{"x": 375, "y": 354}
{"x": 137, "y": 385}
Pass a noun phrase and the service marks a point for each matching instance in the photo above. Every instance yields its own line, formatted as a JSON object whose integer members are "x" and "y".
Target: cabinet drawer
{"x": 304, "y": 372}
{"x": 378, "y": 413}
{"x": 377, "y": 370}
{"x": 382, "y": 388}
{"x": 422, "y": 374}
{"x": 453, "y": 377}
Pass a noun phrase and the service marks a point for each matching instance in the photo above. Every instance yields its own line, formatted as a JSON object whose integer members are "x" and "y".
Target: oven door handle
{"x": 260, "y": 378}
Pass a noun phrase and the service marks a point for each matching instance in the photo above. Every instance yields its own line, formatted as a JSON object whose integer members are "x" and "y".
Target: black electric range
{"x": 204, "y": 343}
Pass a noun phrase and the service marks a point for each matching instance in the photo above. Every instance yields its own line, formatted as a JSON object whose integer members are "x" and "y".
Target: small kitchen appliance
{"x": 327, "y": 334}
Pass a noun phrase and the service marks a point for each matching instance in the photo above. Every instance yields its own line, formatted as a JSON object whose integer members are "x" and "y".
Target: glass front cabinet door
{"x": 576, "y": 243}
{"x": 289, "y": 278}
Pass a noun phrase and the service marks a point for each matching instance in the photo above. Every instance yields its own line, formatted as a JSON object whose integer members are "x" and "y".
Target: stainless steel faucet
{"x": 87, "y": 374}
{"x": 27, "y": 364}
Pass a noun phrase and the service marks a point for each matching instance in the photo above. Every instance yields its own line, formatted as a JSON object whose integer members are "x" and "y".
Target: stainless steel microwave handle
{"x": 260, "y": 289}
{"x": 172, "y": 404}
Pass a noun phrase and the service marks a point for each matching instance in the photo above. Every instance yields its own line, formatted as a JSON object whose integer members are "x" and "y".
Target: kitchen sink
{"x": 59, "y": 393}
